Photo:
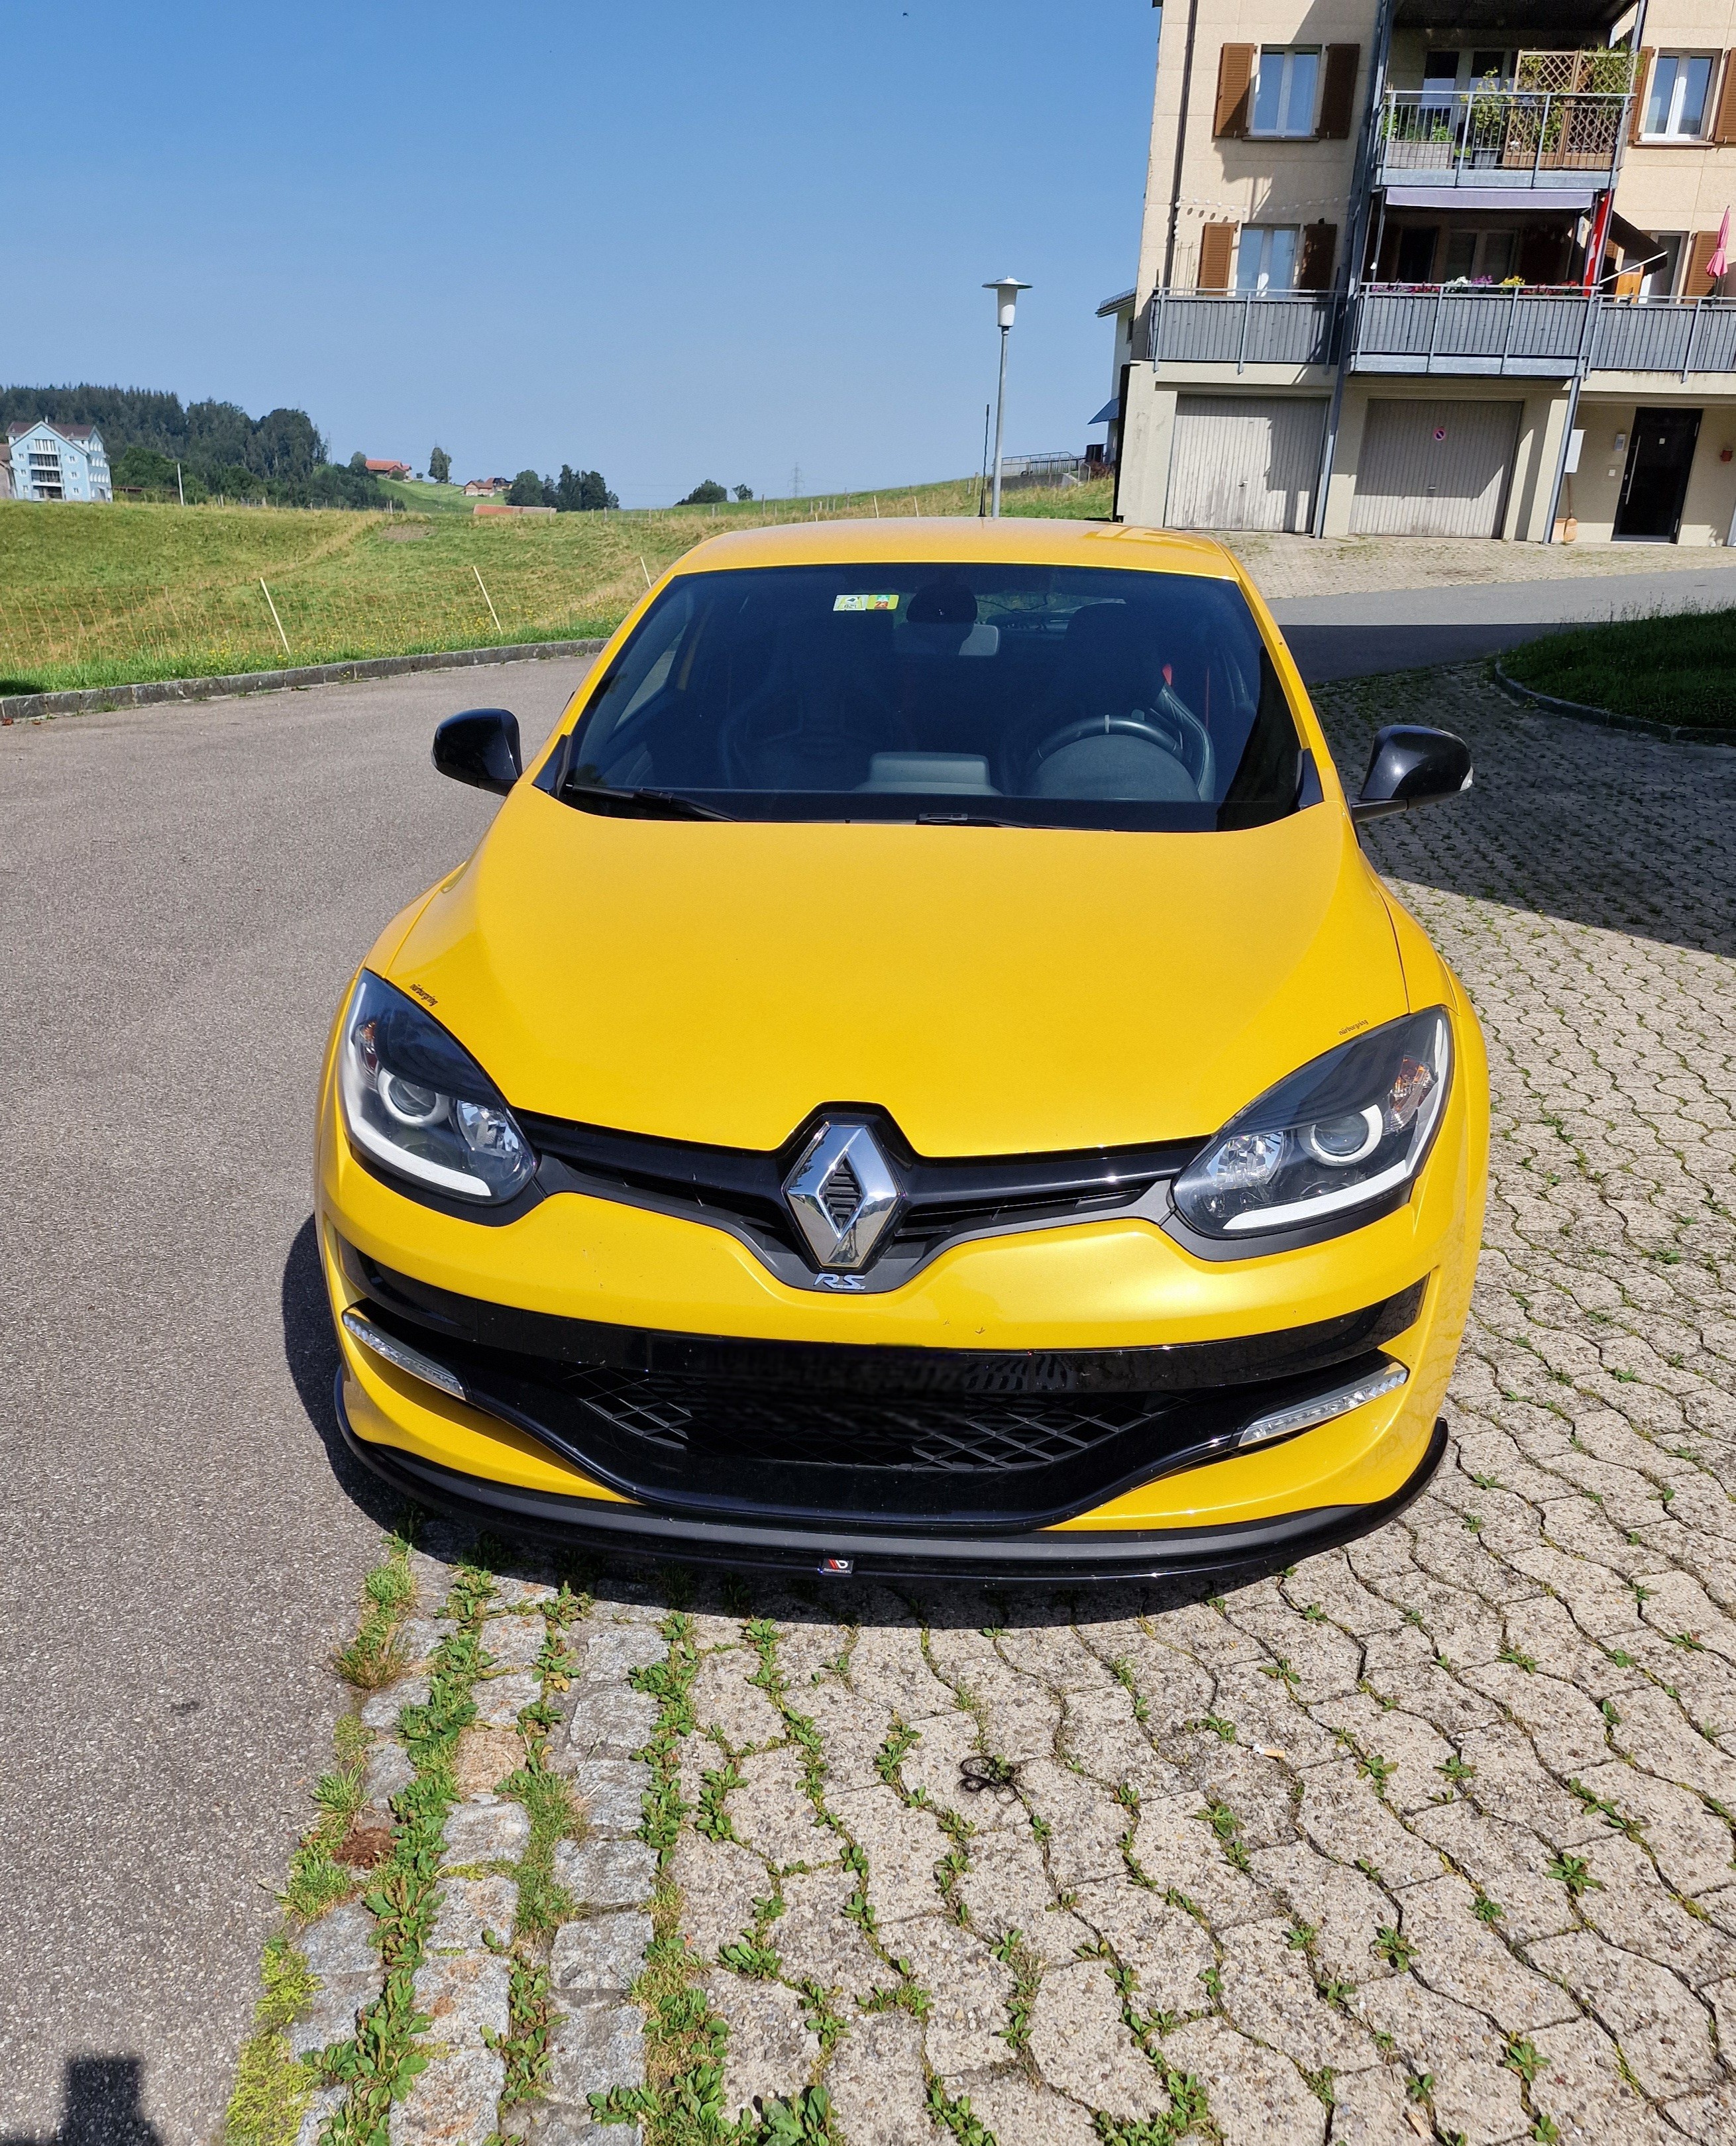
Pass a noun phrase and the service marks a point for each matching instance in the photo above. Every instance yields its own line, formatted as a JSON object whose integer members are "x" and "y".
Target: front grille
{"x": 877, "y": 1436}
{"x": 998, "y": 1434}
{"x": 741, "y": 1190}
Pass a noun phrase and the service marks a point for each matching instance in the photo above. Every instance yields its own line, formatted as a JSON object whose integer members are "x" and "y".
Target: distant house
{"x": 58, "y": 461}
{"x": 388, "y": 469}
{"x": 487, "y": 487}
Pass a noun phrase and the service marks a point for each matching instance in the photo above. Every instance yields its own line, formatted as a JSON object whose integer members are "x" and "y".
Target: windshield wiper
{"x": 966, "y": 820}
{"x": 640, "y": 804}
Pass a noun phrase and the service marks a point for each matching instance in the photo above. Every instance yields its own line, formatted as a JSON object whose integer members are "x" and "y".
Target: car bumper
{"x": 1057, "y": 1293}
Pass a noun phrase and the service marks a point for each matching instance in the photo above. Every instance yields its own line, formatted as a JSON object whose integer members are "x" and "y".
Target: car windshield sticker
{"x": 865, "y": 603}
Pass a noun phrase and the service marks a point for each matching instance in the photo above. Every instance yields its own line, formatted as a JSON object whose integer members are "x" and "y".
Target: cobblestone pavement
{"x": 1340, "y": 566}
{"x": 1430, "y": 1836}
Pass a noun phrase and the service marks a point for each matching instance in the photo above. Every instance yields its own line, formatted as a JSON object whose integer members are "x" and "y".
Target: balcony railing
{"x": 1499, "y": 137}
{"x": 1518, "y": 332}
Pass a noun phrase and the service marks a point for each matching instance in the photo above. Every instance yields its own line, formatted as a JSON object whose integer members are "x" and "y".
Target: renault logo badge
{"x": 843, "y": 1197}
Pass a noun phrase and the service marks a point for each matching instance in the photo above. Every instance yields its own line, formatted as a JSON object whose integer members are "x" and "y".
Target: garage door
{"x": 1434, "y": 469}
{"x": 1244, "y": 462}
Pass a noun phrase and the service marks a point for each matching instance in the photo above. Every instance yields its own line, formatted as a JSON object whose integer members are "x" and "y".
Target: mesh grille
{"x": 996, "y": 1432}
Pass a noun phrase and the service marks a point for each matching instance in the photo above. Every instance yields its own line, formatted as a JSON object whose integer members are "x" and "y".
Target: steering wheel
{"x": 1177, "y": 731}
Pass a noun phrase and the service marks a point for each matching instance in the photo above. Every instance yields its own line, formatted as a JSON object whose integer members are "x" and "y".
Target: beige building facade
{"x": 1436, "y": 268}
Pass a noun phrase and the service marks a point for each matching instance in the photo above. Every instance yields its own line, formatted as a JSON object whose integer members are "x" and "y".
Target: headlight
{"x": 1347, "y": 1133}
{"x": 419, "y": 1105}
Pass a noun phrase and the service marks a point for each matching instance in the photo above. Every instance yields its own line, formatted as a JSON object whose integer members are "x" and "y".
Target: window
{"x": 1658, "y": 276}
{"x": 1285, "y": 89}
{"x": 1676, "y": 101}
{"x": 1265, "y": 259}
{"x": 1416, "y": 253}
{"x": 1474, "y": 255}
{"x": 908, "y": 690}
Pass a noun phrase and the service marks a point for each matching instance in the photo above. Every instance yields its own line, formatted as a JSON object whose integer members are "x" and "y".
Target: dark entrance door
{"x": 1659, "y": 457}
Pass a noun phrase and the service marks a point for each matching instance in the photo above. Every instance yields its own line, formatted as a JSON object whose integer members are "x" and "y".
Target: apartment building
{"x": 58, "y": 461}
{"x": 1437, "y": 268}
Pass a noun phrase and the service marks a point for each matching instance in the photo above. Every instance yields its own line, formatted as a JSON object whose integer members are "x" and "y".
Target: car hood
{"x": 998, "y": 990}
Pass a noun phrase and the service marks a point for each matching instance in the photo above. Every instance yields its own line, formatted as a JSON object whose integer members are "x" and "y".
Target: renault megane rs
{"x": 918, "y": 1077}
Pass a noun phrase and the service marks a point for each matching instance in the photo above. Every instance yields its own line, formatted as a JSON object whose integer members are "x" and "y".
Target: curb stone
{"x": 1608, "y": 718}
{"x": 96, "y": 700}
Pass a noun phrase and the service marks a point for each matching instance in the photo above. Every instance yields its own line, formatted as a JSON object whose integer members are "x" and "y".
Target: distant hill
{"x": 281, "y": 457}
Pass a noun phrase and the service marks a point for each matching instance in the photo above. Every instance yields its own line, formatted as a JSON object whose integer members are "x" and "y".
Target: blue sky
{"x": 666, "y": 240}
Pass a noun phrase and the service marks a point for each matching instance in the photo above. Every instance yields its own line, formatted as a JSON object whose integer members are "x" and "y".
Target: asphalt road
{"x": 184, "y": 893}
{"x": 1352, "y": 636}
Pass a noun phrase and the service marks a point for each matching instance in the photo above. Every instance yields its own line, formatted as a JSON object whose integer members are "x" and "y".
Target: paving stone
{"x": 1007, "y": 1890}
{"x": 1473, "y": 2092}
{"x": 1581, "y": 2089}
{"x": 513, "y": 1642}
{"x": 452, "y": 2103}
{"x": 605, "y": 1874}
{"x": 1083, "y": 2048}
{"x": 772, "y": 2050}
{"x": 389, "y": 1768}
{"x": 1371, "y": 2109}
{"x": 1269, "y": 1994}
{"x": 382, "y": 1711}
{"x": 969, "y": 1992}
{"x": 818, "y": 1943}
{"x": 322, "y": 2105}
{"x": 1663, "y": 2030}
{"x": 468, "y": 1907}
{"x": 773, "y": 1813}
{"x": 878, "y": 2088}
{"x": 465, "y": 1996}
{"x": 724, "y": 1699}
{"x": 496, "y": 1831}
{"x": 903, "y": 1846}
{"x": 609, "y": 1651}
{"x": 609, "y": 1722}
{"x": 418, "y": 1637}
{"x": 1165, "y": 1947}
{"x": 1015, "y": 2110}
{"x": 611, "y": 1792}
{"x": 601, "y": 1956}
{"x": 591, "y": 2049}
{"x": 340, "y": 1950}
{"x": 501, "y": 1700}
{"x": 1257, "y": 2097}
{"x": 719, "y": 1880}
{"x": 1464, "y": 1958}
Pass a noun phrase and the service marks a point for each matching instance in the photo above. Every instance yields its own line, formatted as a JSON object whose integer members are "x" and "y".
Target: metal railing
{"x": 1496, "y": 138}
{"x": 1521, "y": 331}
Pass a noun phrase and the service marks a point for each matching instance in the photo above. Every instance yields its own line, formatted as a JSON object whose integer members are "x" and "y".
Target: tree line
{"x": 574, "y": 492}
{"x": 281, "y": 457}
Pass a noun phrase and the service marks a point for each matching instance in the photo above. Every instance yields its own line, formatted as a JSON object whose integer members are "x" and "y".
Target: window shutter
{"x": 1216, "y": 240}
{"x": 1338, "y": 99}
{"x": 1641, "y": 79}
{"x": 1320, "y": 243}
{"x": 1696, "y": 283}
{"x": 1725, "y": 129}
{"x": 1235, "y": 78}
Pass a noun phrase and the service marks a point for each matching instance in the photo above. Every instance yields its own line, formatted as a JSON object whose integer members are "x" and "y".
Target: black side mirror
{"x": 1412, "y": 767}
{"x": 480, "y": 747}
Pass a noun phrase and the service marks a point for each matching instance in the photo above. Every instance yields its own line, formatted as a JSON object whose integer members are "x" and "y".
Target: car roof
{"x": 1021, "y": 540}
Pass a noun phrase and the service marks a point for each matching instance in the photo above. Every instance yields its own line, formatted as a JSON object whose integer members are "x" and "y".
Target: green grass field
{"x": 107, "y": 596}
{"x": 426, "y": 498}
{"x": 1677, "y": 669}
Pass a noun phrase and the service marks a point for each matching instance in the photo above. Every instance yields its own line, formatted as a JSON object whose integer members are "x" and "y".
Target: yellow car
{"x": 918, "y": 1078}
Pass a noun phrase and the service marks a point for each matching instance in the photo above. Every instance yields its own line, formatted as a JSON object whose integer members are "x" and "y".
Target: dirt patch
{"x": 485, "y": 1757}
{"x": 365, "y": 1845}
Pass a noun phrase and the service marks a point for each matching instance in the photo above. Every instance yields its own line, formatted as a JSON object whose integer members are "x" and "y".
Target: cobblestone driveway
{"x": 1431, "y": 1836}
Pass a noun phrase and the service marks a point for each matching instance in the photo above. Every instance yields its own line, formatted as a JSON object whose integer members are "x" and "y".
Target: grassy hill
{"x": 105, "y": 596}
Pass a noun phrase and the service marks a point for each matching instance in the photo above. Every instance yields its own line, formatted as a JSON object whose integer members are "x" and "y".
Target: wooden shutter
{"x": 1216, "y": 240}
{"x": 1724, "y": 129}
{"x": 1235, "y": 80}
{"x": 1338, "y": 99}
{"x": 1320, "y": 243}
{"x": 1641, "y": 78}
{"x": 1696, "y": 283}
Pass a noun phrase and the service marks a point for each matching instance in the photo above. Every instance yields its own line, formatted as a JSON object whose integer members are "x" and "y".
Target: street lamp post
{"x": 1006, "y": 292}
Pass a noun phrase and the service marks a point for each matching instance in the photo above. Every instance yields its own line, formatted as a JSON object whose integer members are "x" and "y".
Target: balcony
{"x": 1518, "y": 332}
{"x": 1500, "y": 141}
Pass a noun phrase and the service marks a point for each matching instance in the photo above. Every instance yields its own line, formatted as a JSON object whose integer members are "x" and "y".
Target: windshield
{"x": 1035, "y": 696}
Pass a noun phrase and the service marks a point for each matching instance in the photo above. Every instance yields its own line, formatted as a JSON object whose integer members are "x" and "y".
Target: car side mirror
{"x": 1410, "y": 767}
{"x": 480, "y": 747}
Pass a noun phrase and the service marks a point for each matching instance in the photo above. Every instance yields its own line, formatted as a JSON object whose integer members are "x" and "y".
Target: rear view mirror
{"x": 480, "y": 747}
{"x": 1412, "y": 767}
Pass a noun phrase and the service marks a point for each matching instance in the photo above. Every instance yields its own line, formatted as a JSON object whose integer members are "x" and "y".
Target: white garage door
{"x": 1244, "y": 462}
{"x": 1434, "y": 469}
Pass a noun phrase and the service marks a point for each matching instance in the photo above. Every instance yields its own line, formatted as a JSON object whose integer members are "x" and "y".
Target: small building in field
{"x": 487, "y": 487}
{"x": 388, "y": 469}
{"x": 58, "y": 461}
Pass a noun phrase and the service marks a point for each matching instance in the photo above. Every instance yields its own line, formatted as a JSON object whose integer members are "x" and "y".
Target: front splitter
{"x": 1049, "y": 1554}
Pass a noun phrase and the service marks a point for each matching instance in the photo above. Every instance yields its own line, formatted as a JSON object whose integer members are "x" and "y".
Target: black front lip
{"x": 594, "y": 1523}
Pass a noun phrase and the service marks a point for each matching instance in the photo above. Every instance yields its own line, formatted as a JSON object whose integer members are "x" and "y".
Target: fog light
{"x": 1303, "y": 1416}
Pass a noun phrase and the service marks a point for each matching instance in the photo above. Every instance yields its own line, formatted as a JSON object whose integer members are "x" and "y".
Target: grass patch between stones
{"x": 1669, "y": 669}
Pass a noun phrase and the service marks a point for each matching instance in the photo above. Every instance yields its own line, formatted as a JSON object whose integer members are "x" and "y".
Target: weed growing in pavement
{"x": 1012, "y": 1951}
{"x": 524, "y": 2048}
{"x": 375, "y": 1656}
{"x": 548, "y": 1802}
{"x": 957, "y": 2117}
{"x": 272, "y": 2087}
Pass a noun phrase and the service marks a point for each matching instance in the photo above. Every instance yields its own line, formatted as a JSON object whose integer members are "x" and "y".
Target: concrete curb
{"x": 1607, "y": 718}
{"x": 25, "y": 707}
